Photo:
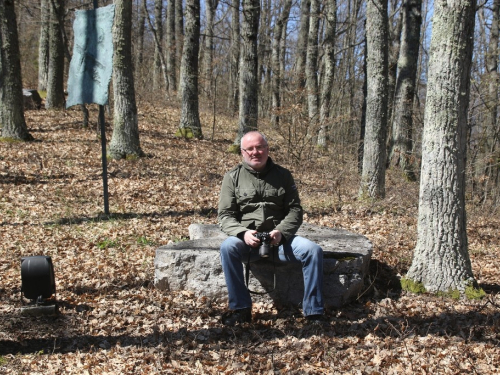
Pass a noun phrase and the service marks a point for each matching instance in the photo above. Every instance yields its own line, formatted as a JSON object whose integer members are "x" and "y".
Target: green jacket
{"x": 262, "y": 201}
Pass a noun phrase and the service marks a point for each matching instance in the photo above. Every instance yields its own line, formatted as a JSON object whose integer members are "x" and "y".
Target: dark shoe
{"x": 230, "y": 318}
{"x": 318, "y": 319}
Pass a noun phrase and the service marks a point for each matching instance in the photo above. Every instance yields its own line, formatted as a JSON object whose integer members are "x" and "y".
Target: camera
{"x": 265, "y": 244}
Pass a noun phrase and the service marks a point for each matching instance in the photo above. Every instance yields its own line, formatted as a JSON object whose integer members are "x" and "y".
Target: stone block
{"x": 195, "y": 265}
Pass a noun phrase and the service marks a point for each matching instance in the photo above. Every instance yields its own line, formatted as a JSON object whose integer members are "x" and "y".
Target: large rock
{"x": 195, "y": 265}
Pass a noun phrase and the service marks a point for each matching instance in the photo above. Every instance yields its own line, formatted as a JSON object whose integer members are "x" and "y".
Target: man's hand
{"x": 250, "y": 239}
{"x": 275, "y": 237}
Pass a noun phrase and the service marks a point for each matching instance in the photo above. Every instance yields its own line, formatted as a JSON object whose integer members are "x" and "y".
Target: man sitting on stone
{"x": 261, "y": 196}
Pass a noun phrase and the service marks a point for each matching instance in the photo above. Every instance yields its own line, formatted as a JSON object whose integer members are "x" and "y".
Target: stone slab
{"x": 195, "y": 265}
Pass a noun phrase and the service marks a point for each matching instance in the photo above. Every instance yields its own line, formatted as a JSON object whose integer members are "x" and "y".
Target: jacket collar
{"x": 269, "y": 165}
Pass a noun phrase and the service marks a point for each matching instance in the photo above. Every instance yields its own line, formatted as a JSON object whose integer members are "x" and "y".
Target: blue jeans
{"x": 233, "y": 252}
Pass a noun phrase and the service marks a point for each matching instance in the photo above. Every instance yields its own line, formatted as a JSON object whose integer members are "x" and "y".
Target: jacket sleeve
{"x": 228, "y": 212}
{"x": 293, "y": 218}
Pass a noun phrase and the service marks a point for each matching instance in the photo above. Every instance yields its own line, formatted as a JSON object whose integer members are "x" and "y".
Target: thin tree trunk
{"x": 394, "y": 45}
{"x": 312, "y": 65}
{"x": 493, "y": 125}
{"x": 249, "y": 85}
{"x": 12, "y": 121}
{"x": 179, "y": 34}
{"x": 190, "y": 125}
{"x": 158, "y": 56}
{"x": 234, "y": 56}
{"x": 401, "y": 144}
{"x": 208, "y": 51}
{"x": 158, "y": 44}
{"x": 43, "y": 46}
{"x": 329, "y": 70}
{"x": 374, "y": 151}
{"x": 140, "y": 34}
{"x": 264, "y": 57}
{"x": 300, "y": 64}
{"x": 171, "y": 52}
{"x": 55, "y": 83}
{"x": 277, "y": 76}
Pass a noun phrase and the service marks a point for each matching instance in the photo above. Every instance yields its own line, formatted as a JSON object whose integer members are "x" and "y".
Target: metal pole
{"x": 104, "y": 160}
{"x": 103, "y": 151}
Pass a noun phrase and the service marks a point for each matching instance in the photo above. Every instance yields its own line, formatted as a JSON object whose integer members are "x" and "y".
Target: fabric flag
{"x": 92, "y": 62}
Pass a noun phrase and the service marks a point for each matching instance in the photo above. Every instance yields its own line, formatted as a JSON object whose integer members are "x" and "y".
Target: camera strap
{"x": 247, "y": 275}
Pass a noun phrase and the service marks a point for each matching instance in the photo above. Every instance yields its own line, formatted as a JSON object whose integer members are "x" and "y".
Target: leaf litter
{"x": 112, "y": 319}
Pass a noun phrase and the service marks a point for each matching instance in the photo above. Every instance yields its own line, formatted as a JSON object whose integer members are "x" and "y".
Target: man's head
{"x": 254, "y": 150}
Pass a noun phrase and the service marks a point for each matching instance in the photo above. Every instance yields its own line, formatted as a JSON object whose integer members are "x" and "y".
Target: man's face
{"x": 255, "y": 151}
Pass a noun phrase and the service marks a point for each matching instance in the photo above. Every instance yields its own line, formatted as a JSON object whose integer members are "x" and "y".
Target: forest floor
{"x": 112, "y": 319}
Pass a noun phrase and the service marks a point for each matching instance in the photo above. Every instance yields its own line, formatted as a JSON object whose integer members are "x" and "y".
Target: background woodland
{"x": 114, "y": 320}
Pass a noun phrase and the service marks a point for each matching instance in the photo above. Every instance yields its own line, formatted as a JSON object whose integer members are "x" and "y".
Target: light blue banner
{"x": 92, "y": 62}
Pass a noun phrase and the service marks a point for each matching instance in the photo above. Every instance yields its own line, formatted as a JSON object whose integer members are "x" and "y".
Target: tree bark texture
{"x": 179, "y": 30}
{"x": 125, "y": 138}
{"x": 441, "y": 260}
{"x": 208, "y": 51}
{"x": 401, "y": 143}
{"x": 55, "y": 83}
{"x": 190, "y": 125}
{"x": 249, "y": 85}
{"x": 276, "y": 59}
{"x": 374, "y": 151}
{"x": 12, "y": 121}
{"x": 158, "y": 56}
{"x": 141, "y": 10}
{"x": 395, "y": 26}
{"x": 329, "y": 69}
{"x": 234, "y": 56}
{"x": 158, "y": 46}
{"x": 171, "y": 52}
{"x": 312, "y": 65}
{"x": 493, "y": 124}
{"x": 264, "y": 52}
{"x": 300, "y": 64}
{"x": 43, "y": 45}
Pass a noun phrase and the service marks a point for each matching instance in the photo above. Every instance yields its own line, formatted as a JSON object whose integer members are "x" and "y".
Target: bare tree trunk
{"x": 329, "y": 71}
{"x": 401, "y": 143}
{"x": 208, "y": 51}
{"x": 312, "y": 65}
{"x": 441, "y": 260}
{"x": 55, "y": 83}
{"x": 171, "y": 52}
{"x": 12, "y": 122}
{"x": 140, "y": 34}
{"x": 362, "y": 122}
{"x": 179, "y": 33}
{"x": 190, "y": 125}
{"x": 374, "y": 151}
{"x": 125, "y": 139}
{"x": 158, "y": 45}
{"x": 349, "y": 72}
{"x": 234, "y": 56}
{"x": 492, "y": 124}
{"x": 264, "y": 57}
{"x": 300, "y": 64}
{"x": 249, "y": 85}
{"x": 158, "y": 56}
{"x": 43, "y": 46}
{"x": 394, "y": 44}
{"x": 277, "y": 76}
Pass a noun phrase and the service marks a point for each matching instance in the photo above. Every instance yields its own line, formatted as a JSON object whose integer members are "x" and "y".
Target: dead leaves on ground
{"x": 112, "y": 318}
